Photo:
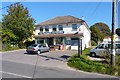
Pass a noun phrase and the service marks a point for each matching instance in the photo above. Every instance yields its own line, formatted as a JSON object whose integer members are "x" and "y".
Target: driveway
{"x": 58, "y": 55}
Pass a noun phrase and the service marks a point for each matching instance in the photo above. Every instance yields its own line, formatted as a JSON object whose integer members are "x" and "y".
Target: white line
{"x": 15, "y": 74}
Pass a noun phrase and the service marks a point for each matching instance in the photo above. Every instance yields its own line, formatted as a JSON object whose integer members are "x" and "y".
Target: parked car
{"x": 101, "y": 48}
{"x": 37, "y": 48}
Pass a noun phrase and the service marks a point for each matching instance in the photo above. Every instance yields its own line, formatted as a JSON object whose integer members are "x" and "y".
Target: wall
{"x": 67, "y": 28}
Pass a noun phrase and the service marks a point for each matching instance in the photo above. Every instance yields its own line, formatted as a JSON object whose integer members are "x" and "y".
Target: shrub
{"x": 83, "y": 63}
{"x": 7, "y": 47}
{"x": 93, "y": 43}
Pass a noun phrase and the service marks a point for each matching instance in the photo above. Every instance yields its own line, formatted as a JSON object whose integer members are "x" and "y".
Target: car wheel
{"x": 38, "y": 52}
{"x": 28, "y": 52}
{"x": 93, "y": 54}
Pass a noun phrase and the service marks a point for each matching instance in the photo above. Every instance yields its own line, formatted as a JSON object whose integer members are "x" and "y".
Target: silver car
{"x": 37, "y": 48}
{"x": 101, "y": 49}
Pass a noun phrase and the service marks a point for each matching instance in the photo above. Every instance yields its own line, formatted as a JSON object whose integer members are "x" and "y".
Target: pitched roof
{"x": 61, "y": 20}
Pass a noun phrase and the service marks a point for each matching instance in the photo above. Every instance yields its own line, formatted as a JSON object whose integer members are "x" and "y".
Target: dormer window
{"x": 74, "y": 27}
{"x": 41, "y": 29}
{"x": 54, "y": 28}
{"x": 60, "y": 27}
{"x": 46, "y": 29}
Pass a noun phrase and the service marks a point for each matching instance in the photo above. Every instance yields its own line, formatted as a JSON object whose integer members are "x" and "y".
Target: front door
{"x": 50, "y": 41}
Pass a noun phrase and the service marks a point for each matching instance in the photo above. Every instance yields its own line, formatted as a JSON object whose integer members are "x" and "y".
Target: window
{"x": 74, "y": 41}
{"x": 118, "y": 46}
{"x": 74, "y": 27}
{"x": 60, "y": 27}
{"x": 54, "y": 28}
{"x": 46, "y": 29}
{"x": 59, "y": 40}
{"x": 34, "y": 45}
{"x": 68, "y": 42}
{"x": 41, "y": 29}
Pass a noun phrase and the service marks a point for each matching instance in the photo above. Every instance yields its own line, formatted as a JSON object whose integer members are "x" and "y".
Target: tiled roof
{"x": 61, "y": 20}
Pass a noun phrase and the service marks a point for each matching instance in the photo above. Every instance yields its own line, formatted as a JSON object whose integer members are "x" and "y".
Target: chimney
{"x": 83, "y": 18}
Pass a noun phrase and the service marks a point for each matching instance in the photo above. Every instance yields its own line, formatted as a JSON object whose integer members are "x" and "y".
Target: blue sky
{"x": 92, "y": 11}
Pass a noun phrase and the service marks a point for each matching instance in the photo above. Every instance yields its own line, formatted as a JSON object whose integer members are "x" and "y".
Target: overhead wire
{"x": 94, "y": 11}
{"x": 12, "y": 4}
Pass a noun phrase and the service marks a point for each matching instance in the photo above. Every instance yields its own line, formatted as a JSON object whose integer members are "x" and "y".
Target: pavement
{"x": 53, "y": 64}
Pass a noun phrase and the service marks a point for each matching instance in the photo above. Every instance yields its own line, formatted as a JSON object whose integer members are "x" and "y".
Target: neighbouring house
{"x": 108, "y": 39}
{"x": 65, "y": 30}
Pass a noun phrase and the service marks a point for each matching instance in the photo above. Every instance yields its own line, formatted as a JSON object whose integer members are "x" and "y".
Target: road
{"x": 17, "y": 64}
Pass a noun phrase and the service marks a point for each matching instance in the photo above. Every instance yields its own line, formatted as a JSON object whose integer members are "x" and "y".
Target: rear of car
{"x": 32, "y": 48}
{"x": 37, "y": 48}
{"x": 100, "y": 50}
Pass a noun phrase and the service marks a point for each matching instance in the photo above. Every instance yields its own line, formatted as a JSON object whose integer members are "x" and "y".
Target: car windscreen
{"x": 100, "y": 46}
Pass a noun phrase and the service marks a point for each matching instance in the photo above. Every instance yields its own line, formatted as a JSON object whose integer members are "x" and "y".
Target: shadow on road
{"x": 63, "y": 58}
{"x": 31, "y": 53}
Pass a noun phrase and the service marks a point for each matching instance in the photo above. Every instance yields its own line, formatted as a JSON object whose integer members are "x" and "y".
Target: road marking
{"x": 15, "y": 74}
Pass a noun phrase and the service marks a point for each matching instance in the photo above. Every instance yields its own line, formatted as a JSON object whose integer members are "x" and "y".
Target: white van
{"x": 101, "y": 49}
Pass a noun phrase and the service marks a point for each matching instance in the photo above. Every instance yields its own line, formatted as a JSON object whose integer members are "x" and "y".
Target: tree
{"x": 118, "y": 31}
{"x": 20, "y": 22}
{"x": 8, "y": 37}
{"x": 96, "y": 34}
{"x": 104, "y": 28}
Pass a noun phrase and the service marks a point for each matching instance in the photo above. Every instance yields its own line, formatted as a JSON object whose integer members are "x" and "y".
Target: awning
{"x": 58, "y": 35}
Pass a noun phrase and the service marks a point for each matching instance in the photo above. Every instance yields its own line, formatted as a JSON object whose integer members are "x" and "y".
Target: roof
{"x": 61, "y": 20}
{"x": 57, "y": 35}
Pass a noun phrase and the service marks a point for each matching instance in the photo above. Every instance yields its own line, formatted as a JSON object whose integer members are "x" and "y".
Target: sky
{"x": 93, "y": 12}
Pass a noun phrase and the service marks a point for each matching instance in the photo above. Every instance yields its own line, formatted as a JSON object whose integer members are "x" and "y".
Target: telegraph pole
{"x": 113, "y": 32}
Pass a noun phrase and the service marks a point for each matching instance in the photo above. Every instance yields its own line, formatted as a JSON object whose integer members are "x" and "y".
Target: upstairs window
{"x": 46, "y": 29}
{"x": 74, "y": 27}
{"x": 41, "y": 29}
{"x": 54, "y": 28}
{"x": 60, "y": 27}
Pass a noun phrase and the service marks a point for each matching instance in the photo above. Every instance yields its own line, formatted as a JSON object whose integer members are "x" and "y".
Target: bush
{"x": 83, "y": 63}
{"x": 7, "y": 47}
{"x": 93, "y": 43}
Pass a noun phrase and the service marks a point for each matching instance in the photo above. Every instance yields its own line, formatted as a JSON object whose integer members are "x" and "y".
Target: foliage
{"x": 8, "y": 47}
{"x": 93, "y": 43}
{"x": 104, "y": 28}
{"x": 96, "y": 34}
{"x": 8, "y": 36}
{"x": 118, "y": 31}
{"x": 20, "y": 22}
{"x": 83, "y": 63}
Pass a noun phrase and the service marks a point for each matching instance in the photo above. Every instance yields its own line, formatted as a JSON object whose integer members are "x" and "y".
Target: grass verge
{"x": 83, "y": 63}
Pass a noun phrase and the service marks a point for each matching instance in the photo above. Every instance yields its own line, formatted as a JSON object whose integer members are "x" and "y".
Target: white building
{"x": 63, "y": 30}
{"x": 108, "y": 39}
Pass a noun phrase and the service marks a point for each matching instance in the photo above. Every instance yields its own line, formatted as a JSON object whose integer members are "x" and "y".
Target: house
{"x": 108, "y": 39}
{"x": 64, "y": 30}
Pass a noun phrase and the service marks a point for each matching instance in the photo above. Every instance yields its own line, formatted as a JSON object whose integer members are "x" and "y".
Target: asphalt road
{"x": 17, "y": 70}
{"x": 19, "y": 65}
